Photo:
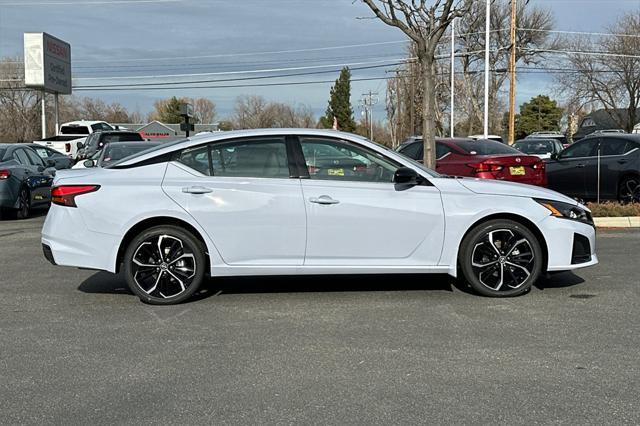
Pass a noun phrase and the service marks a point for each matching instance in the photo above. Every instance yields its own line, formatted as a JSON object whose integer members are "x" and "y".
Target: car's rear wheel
{"x": 501, "y": 258}
{"x": 164, "y": 265}
{"x": 629, "y": 189}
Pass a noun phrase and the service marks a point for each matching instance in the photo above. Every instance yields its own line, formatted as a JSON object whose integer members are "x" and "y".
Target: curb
{"x": 617, "y": 222}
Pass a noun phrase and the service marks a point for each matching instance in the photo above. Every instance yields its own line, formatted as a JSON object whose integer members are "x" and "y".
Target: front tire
{"x": 501, "y": 258}
{"x": 164, "y": 265}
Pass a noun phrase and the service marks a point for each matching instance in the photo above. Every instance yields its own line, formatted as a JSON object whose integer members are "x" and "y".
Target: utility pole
{"x": 512, "y": 76}
{"x": 486, "y": 68}
{"x": 412, "y": 100}
{"x": 453, "y": 69}
{"x": 368, "y": 101}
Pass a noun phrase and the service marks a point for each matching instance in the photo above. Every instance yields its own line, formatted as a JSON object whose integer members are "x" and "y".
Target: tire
{"x": 629, "y": 189}
{"x": 500, "y": 258}
{"x": 24, "y": 206}
{"x": 164, "y": 265}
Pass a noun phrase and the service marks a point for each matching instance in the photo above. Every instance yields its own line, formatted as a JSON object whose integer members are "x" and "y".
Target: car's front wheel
{"x": 164, "y": 265}
{"x": 501, "y": 258}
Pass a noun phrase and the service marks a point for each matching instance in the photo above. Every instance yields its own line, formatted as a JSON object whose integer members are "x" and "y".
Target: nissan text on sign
{"x": 47, "y": 63}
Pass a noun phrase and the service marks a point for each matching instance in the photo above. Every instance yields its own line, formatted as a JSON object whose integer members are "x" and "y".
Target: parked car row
{"x": 602, "y": 166}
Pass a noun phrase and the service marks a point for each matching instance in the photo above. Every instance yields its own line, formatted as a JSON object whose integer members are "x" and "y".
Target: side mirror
{"x": 80, "y": 145}
{"x": 89, "y": 163}
{"x": 406, "y": 176}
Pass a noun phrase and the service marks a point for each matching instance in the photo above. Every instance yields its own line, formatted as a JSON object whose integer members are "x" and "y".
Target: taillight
{"x": 67, "y": 147}
{"x": 5, "y": 174}
{"x": 483, "y": 167}
{"x": 539, "y": 165}
{"x": 65, "y": 195}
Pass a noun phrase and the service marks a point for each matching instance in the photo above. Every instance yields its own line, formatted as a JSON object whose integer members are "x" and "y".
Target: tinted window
{"x": 264, "y": 158}
{"x": 441, "y": 150}
{"x": 535, "y": 146}
{"x": 337, "y": 160}
{"x": 197, "y": 158}
{"x": 485, "y": 147}
{"x": 122, "y": 137}
{"x": 21, "y": 157}
{"x": 101, "y": 126}
{"x": 116, "y": 152}
{"x": 34, "y": 158}
{"x": 2, "y": 151}
{"x": 412, "y": 150}
{"x": 613, "y": 146}
{"x": 584, "y": 148}
{"x": 74, "y": 130}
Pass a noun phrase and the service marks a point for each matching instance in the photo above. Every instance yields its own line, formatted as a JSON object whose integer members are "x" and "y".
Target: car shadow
{"x": 107, "y": 283}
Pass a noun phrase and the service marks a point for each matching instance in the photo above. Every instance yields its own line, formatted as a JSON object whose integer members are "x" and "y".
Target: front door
{"x": 356, "y": 215}
{"x": 240, "y": 192}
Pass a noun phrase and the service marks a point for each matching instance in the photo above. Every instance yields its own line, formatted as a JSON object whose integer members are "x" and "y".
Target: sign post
{"x": 186, "y": 111}
{"x": 47, "y": 67}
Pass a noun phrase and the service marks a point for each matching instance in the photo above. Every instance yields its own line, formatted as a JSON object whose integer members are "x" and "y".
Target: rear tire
{"x": 629, "y": 190}
{"x": 500, "y": 258}
{"x": 164, "y": 265}
{"x": 24, "y": 204}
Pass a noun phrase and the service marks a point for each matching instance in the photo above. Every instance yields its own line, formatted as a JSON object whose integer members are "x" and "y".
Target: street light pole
{"x": 486, "y": 68}
{"x": 453, "y": 68}
{"x": 512, "y": 76}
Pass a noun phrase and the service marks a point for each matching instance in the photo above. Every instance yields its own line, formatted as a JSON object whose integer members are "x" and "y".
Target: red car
{"x": 481, "y": 158}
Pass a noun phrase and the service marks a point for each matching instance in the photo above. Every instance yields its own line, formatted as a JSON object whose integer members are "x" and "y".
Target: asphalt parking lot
{"x": 77, "y": 347}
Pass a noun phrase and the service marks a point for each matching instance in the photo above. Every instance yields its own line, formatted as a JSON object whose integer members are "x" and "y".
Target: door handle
{"x": 196, "y": 190}
{"x": 323, "y": 199}
{"x": 580, "y": 166}
{"x": 622, "y": 161}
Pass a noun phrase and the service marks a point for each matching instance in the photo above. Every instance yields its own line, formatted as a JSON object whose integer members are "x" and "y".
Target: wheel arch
{"x": 624, "y": 175}
{"x": 158, "y": 221}
{"x": 516, "y": 218}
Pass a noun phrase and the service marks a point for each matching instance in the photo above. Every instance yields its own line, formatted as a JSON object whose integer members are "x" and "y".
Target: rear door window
{"x": 21, "y": 157}
{"x": 34, "y": 158}
{"x": 262, "y": 158}
{"x": 613, "y": 146}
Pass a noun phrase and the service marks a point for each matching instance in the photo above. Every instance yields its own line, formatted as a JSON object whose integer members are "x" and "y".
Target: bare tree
{"x": 19, "y": 109}
{"x": 424, "y": 25}
{"x": 252, "y": 112}
{"x": 610, "y": 80}
{"x": 204, "y": 110}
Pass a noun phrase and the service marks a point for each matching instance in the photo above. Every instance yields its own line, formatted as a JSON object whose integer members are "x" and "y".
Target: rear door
{"x": 38, "y": 183}
{"x": 613, "y": 163}
{"x": 240, "y": 191}
{"x": 356, "y": 215}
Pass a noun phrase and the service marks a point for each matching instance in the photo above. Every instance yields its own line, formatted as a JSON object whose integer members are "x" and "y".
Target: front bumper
{"x": 570, "y": 244}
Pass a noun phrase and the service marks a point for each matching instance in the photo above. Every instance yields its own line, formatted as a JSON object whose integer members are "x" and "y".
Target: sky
{"x": 223, "y": 39}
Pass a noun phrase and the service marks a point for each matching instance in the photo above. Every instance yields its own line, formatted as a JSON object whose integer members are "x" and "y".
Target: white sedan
{"x": 254, "y": 203}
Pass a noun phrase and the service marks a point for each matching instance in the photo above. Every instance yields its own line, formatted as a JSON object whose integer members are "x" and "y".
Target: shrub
{"x": 610, "y": 209}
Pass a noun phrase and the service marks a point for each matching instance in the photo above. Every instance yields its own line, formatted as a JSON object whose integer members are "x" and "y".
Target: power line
{"x": 579, "y": 32}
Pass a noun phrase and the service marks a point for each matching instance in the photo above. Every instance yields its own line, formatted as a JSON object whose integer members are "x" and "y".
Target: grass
{"x": 610, "y": 209}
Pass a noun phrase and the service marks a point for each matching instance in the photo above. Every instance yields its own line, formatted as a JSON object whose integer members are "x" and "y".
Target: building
{"x": 603, "y": 120}
{"x": 158, "y": 132}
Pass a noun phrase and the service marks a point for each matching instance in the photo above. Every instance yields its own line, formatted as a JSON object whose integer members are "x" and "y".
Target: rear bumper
{"x": 68, "y": 242}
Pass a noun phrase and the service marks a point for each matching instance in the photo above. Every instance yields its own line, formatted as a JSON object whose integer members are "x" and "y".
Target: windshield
{"x": 533, "y": 146}
{"x": 485, "y": 147}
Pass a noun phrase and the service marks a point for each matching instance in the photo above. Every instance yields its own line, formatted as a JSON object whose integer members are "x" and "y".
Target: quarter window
{"x": 337, "y": 160}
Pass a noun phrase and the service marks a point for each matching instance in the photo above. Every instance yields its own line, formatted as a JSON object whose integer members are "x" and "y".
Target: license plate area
{"x": 517, "y": 171}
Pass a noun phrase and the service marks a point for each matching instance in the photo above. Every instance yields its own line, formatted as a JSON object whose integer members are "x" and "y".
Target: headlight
{"x": 567, "y": 211}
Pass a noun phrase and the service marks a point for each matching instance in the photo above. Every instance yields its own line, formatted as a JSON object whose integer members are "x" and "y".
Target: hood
{"x": 500, "y": 187}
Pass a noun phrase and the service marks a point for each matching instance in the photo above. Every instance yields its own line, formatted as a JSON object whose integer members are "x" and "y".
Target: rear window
{"x": 485, "y": 147}
{"x": 122, "y": 137}
{"x": 74, "y": 130}
{"x": 2, "y": 151}
{"x": 533, "y": 146}
{"x": 117, "y": 152}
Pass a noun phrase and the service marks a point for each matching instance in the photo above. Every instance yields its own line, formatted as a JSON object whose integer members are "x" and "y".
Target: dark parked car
{"x": 25, "y": 180}
{"x": 60, "y": 161}
{"x": 97, "y": 140}
{"x": 481, "y": 158}
{"x": 574, "y": 171}
{"x": 116, "y": 151}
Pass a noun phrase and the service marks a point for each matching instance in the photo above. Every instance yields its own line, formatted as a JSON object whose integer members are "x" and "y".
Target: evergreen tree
{"x": 340, "y": 104}
{"x": 168, "y": 110}
{"x": 539, "y": 114}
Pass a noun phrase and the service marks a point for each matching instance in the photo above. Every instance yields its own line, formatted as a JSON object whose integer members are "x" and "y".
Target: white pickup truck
{"x": 71, "y": 133}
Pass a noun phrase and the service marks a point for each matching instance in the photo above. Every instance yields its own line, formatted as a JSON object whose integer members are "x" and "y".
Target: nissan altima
{"x": 304, "y": 201}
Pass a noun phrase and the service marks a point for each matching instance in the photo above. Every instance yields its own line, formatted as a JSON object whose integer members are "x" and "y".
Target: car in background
{"x": 559, "y": 136}
{"x": 25, "y": 180}
{"x": 604, "y": 165}
{"x": 170, "y": 217}
{"x": 72, "y": 135}
{"x": 60, "y": 161}
{"x": 116, "y": 151}
{"x": 490, "y": 137}
{"x": 542, "y": 148}
{"x": 96, "y": 141}
{"x": 484, "y": 159}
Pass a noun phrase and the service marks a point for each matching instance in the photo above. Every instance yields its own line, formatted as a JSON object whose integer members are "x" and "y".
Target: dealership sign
{"x": 47, "y": 63}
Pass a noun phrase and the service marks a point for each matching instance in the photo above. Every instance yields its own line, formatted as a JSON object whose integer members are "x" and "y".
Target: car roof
{"x": 169, "y": 147}
{"x": 628, "y": 136}
{"x": 82, "y": 123}
{"x": 134, "y": 143}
